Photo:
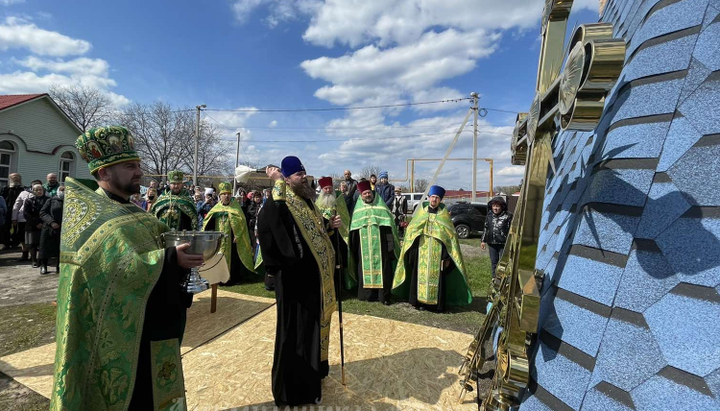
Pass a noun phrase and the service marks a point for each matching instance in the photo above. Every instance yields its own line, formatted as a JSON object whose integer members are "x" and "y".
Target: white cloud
{"x": 27, "y": 82}
{"x": 56, "y": 70}
{"x": 434, "y": 57}
{"x": 435, "y": 94}
{"x": 20, "y": 34}
{"x": 273, "y": 124}
{"x": 11, "y": 2}
{"x": 278, "y": 11}
{"x": 81, "y": 66}
{"x": 512, "y": 171}
{"x": 352, "y": 23}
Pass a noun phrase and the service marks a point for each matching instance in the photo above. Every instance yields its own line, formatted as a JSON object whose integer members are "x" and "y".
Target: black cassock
{"x": 411, "y": 257}
{"x": 388, "y": 272}
{"x": 297, "y": 371}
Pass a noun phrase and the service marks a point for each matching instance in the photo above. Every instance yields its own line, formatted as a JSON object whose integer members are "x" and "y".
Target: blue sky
{"x": 260, "y": 54}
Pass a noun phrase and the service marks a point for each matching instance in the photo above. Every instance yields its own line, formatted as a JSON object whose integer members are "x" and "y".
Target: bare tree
{"x": 366, "y": 172}
{"x": 420, "y": 185}
{"x": 87, "y": 107}
{"x": 213, "y": 153}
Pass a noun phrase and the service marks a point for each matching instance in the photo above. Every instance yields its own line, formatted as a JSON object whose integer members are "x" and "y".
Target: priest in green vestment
{"x": 176, "y": 207}
{"x": 431, "y": 272}
{"x": 374, "y": 244}
{"x": 227, "y": 216}
{"x": 298, "y": 252}
{"x": 120, "y": 304}
{"x": 331, "y": 203}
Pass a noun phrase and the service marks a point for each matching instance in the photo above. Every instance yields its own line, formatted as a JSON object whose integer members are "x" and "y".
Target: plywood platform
{"x": 389, "y": 364}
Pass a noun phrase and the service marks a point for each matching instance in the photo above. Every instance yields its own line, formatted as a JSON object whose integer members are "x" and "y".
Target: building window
{"x": 7, "y": 161}
{"x": 67, "y": 165}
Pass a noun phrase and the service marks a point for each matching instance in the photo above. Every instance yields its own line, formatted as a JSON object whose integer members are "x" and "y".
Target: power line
{"x": 367, "y": 129}
{"x": 350, "y": 108}
{"x": 356, "y": 138}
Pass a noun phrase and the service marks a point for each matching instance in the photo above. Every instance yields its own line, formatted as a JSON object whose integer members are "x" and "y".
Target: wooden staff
{"x": 338, "y": 290}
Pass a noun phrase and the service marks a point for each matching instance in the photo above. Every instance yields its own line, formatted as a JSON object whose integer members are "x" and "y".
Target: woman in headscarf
{"x": 151, "y": 196}
{"x": 34, "y": 224}
{"x": 51, "y": 215}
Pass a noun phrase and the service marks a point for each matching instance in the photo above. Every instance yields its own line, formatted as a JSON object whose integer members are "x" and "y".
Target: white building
{"x": 37, "y": 138}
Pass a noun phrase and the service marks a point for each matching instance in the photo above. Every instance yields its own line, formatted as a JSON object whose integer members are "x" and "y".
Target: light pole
{"x": 474, "y": 96}
{"x": 237, "y": 161}
{"x": 197, "y": 141}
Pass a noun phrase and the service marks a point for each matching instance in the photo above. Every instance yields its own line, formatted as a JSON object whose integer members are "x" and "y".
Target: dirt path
{"x": 22, "y": 284}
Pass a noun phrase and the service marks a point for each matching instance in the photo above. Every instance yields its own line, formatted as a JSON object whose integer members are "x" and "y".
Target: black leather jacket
{"x": 497, "y": 226}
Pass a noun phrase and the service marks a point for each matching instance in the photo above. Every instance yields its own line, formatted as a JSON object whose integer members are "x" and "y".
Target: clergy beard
{"x": 302, "y": 189}
{"x": 369, "y": 200}
{"x": 326, "y": 200}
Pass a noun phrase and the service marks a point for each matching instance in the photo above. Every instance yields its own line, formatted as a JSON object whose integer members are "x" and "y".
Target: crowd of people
{"x": 31, "y": 219}
{"x": 310, "y": 244}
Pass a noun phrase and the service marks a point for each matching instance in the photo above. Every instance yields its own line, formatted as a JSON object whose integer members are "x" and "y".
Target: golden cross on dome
{"x": 569, "y": 99}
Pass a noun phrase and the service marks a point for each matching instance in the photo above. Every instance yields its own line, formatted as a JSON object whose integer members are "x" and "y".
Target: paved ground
{"x": 22, "y": 284}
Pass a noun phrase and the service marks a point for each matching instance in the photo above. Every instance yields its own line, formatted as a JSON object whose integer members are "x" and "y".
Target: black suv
{"x": 468, "y": 218}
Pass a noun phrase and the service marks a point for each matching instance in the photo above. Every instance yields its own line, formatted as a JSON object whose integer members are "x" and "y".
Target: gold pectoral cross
{"x": 568, "y": 99}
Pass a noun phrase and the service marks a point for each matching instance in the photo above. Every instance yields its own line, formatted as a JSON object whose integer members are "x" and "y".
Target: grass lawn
{"x": 23, "y": 327}
{"x": 466, "y": 319}
{"x": 26, "y": 326}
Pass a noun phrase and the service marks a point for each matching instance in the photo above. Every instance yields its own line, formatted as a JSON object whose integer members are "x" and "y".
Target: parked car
{"x": 468, "y": 218}
{"x": 413, "y": 199}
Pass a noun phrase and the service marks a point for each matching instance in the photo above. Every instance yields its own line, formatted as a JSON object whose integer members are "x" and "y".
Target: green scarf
{"x": 231, "y": 217}
{"x": 368, "y": 218}
{"x": 111, "y": 256}
{"x": 340, "y": 209}
{"x": 168, "y": 207}
{"x": 432, "y": 231}
{"x": 312, "y": 229}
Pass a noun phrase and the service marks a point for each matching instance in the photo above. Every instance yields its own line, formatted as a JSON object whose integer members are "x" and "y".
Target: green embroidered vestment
{"x": 341, "y": 209}
{"x": 111, "y": 257}
{"x": 432, "y": 231}
{"x": 169, "y": 207}
{"x": 231, "y": 218}
{"x": 367, "y": 219}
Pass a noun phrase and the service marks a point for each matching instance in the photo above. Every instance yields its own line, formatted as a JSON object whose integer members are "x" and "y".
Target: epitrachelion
{"x": 628, "y": 240}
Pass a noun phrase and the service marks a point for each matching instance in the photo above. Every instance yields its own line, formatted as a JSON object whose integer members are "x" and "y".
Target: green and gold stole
{"x": 341, "y": 209}
{"x": 169, "y": 206}
{"x": 433, "y": 230}
{"x": 368, "y": 218}
{"x": 231, "y": 217}
{"x": 312, "y": 228}
{"x": 111, "y": 257}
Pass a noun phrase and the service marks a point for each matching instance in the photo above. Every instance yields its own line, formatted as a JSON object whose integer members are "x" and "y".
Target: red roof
{"x": 13, "y": 100}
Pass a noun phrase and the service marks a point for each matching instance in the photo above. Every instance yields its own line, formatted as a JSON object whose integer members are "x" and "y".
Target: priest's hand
{"x": 336, "y": 222}
{"x": 186, "y": 260}
{"x": 274, "y": 173}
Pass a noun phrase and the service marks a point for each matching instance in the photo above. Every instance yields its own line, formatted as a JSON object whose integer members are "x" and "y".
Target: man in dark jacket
{"x": 497, "y": 227}
{"x": 351, "y": 184}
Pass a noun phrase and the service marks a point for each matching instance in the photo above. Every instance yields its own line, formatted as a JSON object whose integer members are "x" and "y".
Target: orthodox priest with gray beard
{"x": 332, "y": 203}
{"x": 297, "y": 251}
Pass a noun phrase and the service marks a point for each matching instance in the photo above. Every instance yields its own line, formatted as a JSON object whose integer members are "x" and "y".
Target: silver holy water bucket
{"x": 206, "y": 243}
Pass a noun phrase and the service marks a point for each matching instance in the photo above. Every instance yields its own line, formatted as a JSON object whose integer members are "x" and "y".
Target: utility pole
{"x": 490, "y": 192}
{"x": 197, "y": 142}
{"x": 474, "y": 96}
{"x": 237, "y": 161}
